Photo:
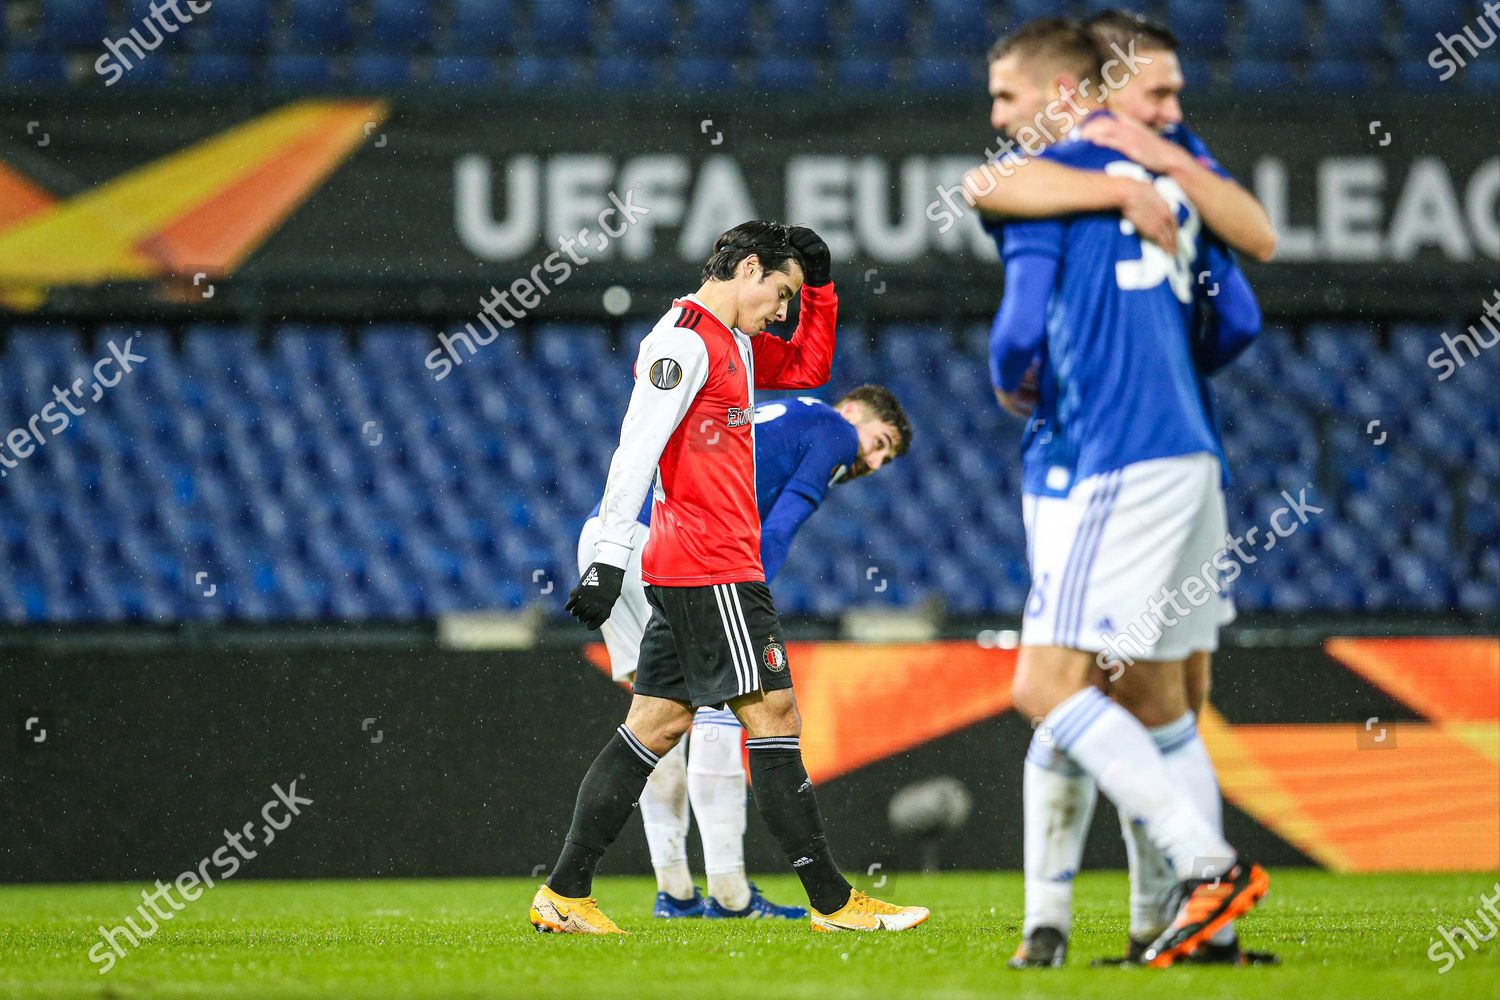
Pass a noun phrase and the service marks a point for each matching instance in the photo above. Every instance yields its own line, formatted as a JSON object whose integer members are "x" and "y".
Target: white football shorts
{"x": 1129, "y": 564}
{"x": 627, "y": 622}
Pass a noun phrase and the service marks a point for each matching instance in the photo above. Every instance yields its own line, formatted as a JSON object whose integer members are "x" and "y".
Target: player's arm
{"x": 1044, "y": 189}
{"x": 805, "y": 361}
{"x": 1020, "y": 327}
{"x": 670, "y": 370}
{"x": 1234, "y": 316}
{"x": 804, "y": 493}
{"x": 1227, "y": 209}
{"x": 790, "y": 511}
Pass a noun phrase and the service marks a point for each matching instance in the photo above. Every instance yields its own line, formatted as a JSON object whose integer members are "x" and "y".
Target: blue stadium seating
{"x": 321, "y": 473}
{"x": 74, "y": 23}
{"x": 399, "y": 24}
{"x": 480, "y": 27}
{"x": 1342, "y": 45}
{"x": 320, "y": 25}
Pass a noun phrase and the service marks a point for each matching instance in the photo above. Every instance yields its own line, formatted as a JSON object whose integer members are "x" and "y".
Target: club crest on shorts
{"x": 666, "y": 374}
{"x": 774, "y": 657}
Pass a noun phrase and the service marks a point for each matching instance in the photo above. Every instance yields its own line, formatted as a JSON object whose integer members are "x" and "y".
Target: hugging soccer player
{"x": 803, "y": 447}
{"x": 714, "y": 637}
{"x": 1122, "y": 495}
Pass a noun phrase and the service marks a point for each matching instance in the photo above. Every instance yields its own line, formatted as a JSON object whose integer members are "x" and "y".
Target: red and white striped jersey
{"x": 689, "y": 429}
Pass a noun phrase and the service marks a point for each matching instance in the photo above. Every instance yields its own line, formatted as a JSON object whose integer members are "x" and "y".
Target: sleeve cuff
{"x": 612, "y": 554}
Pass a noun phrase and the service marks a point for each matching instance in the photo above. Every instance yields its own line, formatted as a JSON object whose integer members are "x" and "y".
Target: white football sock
{"x": 1191, "y": 767}
{"x": 1112, "y": 745}
{"x": 664, "y": 812}
{"x": 1150, "y": 875}
{"x": 1057, "y": 805}
{"x": 716, "y": 788}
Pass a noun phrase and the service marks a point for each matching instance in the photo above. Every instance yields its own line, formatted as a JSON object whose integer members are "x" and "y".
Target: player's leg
{"x": 664, "y": 804}
{"x": 1121, "y": 535}
{"x": 1154, "y": 694}
{"x": 1057, "y": 796}
{"x": 659, "y": 716}
{"x": 716, "y": 789}
{"x": 1058, "y": 800}
{"x": 767, "y": 708}
{"x": 664, "y": 815}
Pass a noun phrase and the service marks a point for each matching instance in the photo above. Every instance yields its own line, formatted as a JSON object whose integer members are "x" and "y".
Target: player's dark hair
{"x": 769, "y": 241}
{"x": 884, "y": 406}
{"x": 1121, "y": 27}
{"x": 1053, "y": 41}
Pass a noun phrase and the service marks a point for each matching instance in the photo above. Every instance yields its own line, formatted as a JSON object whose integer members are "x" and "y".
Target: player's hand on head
{"x": 1151, "y": 216}
{"x": 817, "y": 262}
{"x": 595, "y": 596}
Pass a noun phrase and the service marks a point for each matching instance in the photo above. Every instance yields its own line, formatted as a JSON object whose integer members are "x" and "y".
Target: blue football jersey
{"x": 802, "y": 445}
{"x": 1119, "y": 385}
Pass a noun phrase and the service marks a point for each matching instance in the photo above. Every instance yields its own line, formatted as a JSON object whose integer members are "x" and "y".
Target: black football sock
{"x": 606, "y": 798}
{"x": 790, "y": 808}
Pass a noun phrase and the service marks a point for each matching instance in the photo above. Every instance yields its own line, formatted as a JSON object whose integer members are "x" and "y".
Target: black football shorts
{"x": 709, "y": 645}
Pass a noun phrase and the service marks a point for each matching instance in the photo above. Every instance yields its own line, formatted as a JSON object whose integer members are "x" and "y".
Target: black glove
{"x": 817, "y": 263}
{"x": 595, "y": 596}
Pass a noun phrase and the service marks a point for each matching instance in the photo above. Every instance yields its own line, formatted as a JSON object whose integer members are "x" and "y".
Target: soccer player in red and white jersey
{"x": 714, "y": 636}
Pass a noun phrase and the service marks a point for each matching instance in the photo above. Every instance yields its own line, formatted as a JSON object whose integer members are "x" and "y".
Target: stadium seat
{"x": 713, "y": 26}
{"x": 35, "y": 69}
{"x": 398, "y": 25}
{"x": 240, "y": 27}
{"x": 1261, "y": 75}
{"x": 319, "y": 25}
{"x": 626, "y": 73}
{"x": 864, "y": 73}
{"x": 1351, "y": 30}
{"x": 222, "y": 69}
{"x": 953, "y": 75}
{"x": 798, "y": 27}
{"x": 560, "y": 26}
{"x": 785, "y": 72}
{"x": 463, "y": 71}
{"x": 1273, "y": 29}
{"x": 480, "y": 27}
{"x": 704, "y": 72}
{"x": 299, "y": 71}
{"x": 69, "y": 24}
{"x": 1340, "y": 75}
{"x": 1199, "y": 26}
{"x": 1423, "y": 21}
{"x": 877, "y": 26}
{"x": 640, "y": 26}
{"x": 380, "y": 72}
{"x": 956, "y": 28}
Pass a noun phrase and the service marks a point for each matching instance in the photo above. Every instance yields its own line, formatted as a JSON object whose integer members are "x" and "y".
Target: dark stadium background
{"x": 280, "y": 535}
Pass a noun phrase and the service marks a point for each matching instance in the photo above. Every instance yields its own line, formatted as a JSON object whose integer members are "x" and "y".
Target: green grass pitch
{"x": 1339, "y": 936}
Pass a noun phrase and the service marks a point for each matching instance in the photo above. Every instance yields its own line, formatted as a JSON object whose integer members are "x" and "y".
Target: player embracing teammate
{"x": 1103, "y": 342}
{"x": 713, "y": 637}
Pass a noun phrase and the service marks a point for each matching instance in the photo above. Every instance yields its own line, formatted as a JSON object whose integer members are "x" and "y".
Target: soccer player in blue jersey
{"x": 803, "y": 447}
{"x": 1096, "y": 341}
{"x": 1146, "y": 126}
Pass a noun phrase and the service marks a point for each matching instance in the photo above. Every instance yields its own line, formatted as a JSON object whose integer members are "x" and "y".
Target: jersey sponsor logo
{"x": 774, "y": 657}
{"x": 732, "y": 368}
{"x": 666, "y": 374}
{"x": 689, "y": 319}
{"x": 739, "y": 417}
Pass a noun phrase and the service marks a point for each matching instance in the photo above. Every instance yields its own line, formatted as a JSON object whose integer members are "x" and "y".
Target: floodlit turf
{"x": 1339, "y": 936}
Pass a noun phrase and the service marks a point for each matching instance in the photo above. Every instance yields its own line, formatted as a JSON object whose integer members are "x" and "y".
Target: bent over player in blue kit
{"x": 803, "y": 447}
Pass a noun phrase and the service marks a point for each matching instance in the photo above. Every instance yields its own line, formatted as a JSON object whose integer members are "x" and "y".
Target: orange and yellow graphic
{"x": 1361, "y": 795}
{"x": 202, "y": 210}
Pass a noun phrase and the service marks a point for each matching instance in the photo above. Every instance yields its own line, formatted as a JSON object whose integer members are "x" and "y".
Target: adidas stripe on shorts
{"x": 1119, "y": 539}
{"x": 709, "y": 645}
